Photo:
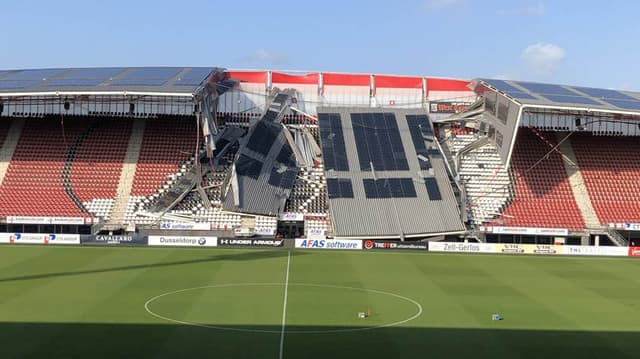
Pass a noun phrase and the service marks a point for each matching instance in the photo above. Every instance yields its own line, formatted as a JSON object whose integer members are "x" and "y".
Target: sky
{"x": 589, "y": 43}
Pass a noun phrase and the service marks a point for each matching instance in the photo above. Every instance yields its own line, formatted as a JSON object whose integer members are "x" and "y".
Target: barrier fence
{"x": 304, "y": 243}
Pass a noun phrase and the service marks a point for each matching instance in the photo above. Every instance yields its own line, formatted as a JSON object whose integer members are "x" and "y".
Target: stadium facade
{"x": 289, "y": 154}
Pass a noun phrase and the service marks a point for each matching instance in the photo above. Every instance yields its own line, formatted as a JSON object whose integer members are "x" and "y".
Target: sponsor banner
{"x": 633, "y": 251}
{"x": 186, "y": 226}
{"x": 265, "y": 231}
{"x": 528, "y": 248}
{"x": 328, "y": 243}
{"x": 23, "y": 238}
{"x": 45, "y": 220}
{"x": 250, "y": 242}
{"x": 371, "y": 244}
{"x": 632, "y": 227}
{"x": 183, "y": 241}
{"x": 462, "y": 247}
{"x": 55, "y": 239}
{"x": 595, "y": 251}
{"x": 447, "y": 107}
{"x": 316, "y": 233}
{"x": 531, "y": 231}
{"x": 292, "y": 217}
{"x": 112, "y": 239}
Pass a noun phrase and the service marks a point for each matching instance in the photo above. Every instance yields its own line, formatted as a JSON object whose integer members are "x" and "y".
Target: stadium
{"x": 190, "y": 211}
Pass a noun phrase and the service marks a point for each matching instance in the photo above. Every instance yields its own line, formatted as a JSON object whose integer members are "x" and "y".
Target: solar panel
{"x": 263, "y": 136}
{"x": 418, "y": 128}
{"x": 285, "y": 156}
{"x": 389, "y": 188}
{"x": 572, "y": 99}
{"x": 605, "y": 94}
{"x": 334, "y": 152}
{"x": 85, "y": 77}
{"x": 194, "y": 76}
{"x": 378, "y": 142}
{"x": 138, "y": 82}
{"x": 283, "y": 178}
{"x": 247, "y": 166}
{"x": 628, "y": 105}
{"x": 521, "y": 95}
{"x": 339, "y": 188}
{"x": 5, "y": 84}
{"x": 546, "y": 89}
{"x": 34, "y": 75}
{"x": 147, "y": 76}
{"x": 432, "y": 189}
{"x": 502, "y": 86}
{"x": 270, "y": 116}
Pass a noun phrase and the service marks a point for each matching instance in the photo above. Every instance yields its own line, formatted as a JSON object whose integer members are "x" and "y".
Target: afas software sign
{"x": 183, "y": 241}
{"x": 328, "y": 243}
{"x": 39, "y": 238}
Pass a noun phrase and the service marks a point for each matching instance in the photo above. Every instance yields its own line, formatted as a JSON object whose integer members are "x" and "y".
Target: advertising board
{"x": 113, "y": 239}
{"x": 461, "y": 247}
{"x": 56, "y": 239}
{"x": 595, "y": 251}
{"x": 249, "y": 242}
{"x": 183, "y": 241}
{"x": 378, "y": 244}
{"x": 515, "y": 248}
{"x": 328, "y": 243}
{"x": 185, "y": 226}
{"x": 531, "y": 231}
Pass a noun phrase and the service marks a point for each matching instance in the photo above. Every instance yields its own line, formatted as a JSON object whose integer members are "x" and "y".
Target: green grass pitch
{"x": 89, "y": 302}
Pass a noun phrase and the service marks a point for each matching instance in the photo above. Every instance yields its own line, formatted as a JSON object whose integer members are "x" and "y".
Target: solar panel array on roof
{"x": 26, "y": 78}
{"x": 339, "y": 188}
{"x": 283, "y": 176}
{"x": 332, "y": 141}
{"x": 604, "y": 94}
{"x": 546, "y": 89}
{"x": 247, "y": 166}
{"x": 419, "y": 127}
{"x": 378, "y": 142}
{"x": 615, "y": 98}
{"x": 389, "y": 188}
{"x": 193, "y": 77}
{"x": 85, "y": 77}
{"x": 147, "y": 76}
{"x": 263, "y": 137}
{"x": 510, "y": 90}
{"x": 432, "y": 189}
{"x": 572, "y": 99}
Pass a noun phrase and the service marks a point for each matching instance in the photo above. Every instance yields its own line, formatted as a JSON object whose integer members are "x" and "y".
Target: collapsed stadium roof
{"x": 385, "y": 175}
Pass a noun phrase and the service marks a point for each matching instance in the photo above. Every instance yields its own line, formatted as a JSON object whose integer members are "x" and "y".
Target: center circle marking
{"x": 209, "y": 326}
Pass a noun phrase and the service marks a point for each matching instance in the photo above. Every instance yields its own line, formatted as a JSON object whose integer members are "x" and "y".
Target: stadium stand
{"x": 610, "y": 168}
{"x": 543, "y": 195}
{"x": 60, "y": 165}
{"x": 167, "y": 142}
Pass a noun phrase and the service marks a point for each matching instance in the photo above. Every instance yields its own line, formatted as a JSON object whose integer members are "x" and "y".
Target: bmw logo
{"x": 202, "y": 241}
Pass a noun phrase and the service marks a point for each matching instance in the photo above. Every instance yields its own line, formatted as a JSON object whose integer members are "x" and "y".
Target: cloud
{"x": 531, "y": 10}
{"x": 438, "y": 4}
{"x": 266, "y": 57}
{"x": 543, "y": 59}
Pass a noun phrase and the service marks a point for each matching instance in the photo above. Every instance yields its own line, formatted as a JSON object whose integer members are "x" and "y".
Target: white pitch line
{"x": 284, "y": 306}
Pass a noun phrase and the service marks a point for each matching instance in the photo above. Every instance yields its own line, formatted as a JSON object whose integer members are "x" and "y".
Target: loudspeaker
{"x": 67, "y": 105}
{"x": 132, "y": 108}
{"x": 1, "y": 108}
{"x": 578, "y": 121}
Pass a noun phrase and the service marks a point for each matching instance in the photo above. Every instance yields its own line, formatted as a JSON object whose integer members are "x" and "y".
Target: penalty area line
{"x": 284, "y": 306}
